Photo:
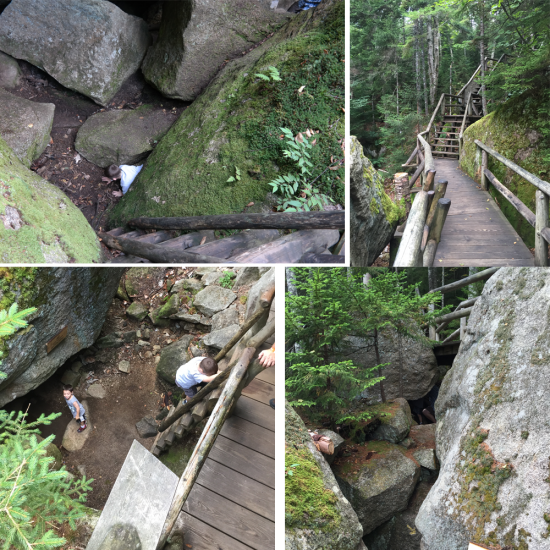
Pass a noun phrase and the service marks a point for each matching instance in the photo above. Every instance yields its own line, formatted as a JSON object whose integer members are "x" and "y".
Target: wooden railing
{"x": 539, "y": 220}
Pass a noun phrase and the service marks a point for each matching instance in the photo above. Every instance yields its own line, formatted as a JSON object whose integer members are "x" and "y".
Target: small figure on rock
{"x": 196, "y": 374}
{"x": 127, "y": 174}
{"x": 77, "y": 410}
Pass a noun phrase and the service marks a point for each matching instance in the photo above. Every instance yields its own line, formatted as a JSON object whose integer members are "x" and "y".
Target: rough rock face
{"x": 395, "y": 425}
{"x": 381, "y": 486}
{"x": 213, "y": 299}
{"x": 190, "y": 166}
{"x": 25, "y": 125}
{"x": 373, "y": 216}
{"x": 219, "y": 338}
{"x": 412, "y": 369}
{"x": 10, "y": 73}
{"x": 399, "y": 533}
{"x": 77, "y": 298}
{"x": 196, "y": 37}
{"x": 173, "y": 357}
{"x": 122, "y": 137}
{"x": 493, "y": 436}
{"x": 340, "y": 531}
{"x": 90, "y": 46}
{"x": 38, "y": 222}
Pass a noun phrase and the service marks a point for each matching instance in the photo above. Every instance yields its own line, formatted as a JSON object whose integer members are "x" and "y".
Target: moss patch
{"x": 516, "y": 131}
{"x": 308, "y": 504}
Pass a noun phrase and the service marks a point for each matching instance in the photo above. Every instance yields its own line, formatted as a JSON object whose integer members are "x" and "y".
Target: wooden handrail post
{"x": 440, "y": 191}
{"x": 205, "y": 443}
{"x": 484, "y": 184}
{"x": 541, "y": 213}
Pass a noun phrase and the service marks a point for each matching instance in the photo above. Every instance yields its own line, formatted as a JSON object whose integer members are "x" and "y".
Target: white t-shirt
{"x": 188, "y": 374}
{"x": 129, "y": 174}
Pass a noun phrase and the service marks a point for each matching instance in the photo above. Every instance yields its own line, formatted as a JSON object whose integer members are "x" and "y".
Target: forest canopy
{"x": 405, "y": 53}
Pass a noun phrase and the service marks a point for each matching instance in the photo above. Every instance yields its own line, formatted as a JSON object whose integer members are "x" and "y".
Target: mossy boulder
{"x": 25, "y": 125}
{"x": 380, "y": 486}
{"x": 492, "y": 435}
{"x": 396, "y": 421}
{"x": 40, "y": 223}
{"x": 90, "y": 46}
{"x": 374, "y": 216}
{"x": 518, "y": 131}
{"x": 173, "y": 357}
{"x": 137, "y": 311}
{"x": 10, "y": 73}
{"x": 236, "y": 124}
{"x": 317, "y": 515}
{"x": 122, "y": 137}
{"x": 197, "y": 37}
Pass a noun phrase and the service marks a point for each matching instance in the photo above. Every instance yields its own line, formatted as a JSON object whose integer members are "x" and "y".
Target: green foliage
{"x": 227, "y": 279}
{"x": 297, "y": 193}
{"x": 11, "y": 321}
{"x": 236, "y": 177}
{"x": 273, "y": 75}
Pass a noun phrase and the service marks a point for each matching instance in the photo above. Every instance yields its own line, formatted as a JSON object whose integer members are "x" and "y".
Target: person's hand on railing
{"x": 267, "y": 357}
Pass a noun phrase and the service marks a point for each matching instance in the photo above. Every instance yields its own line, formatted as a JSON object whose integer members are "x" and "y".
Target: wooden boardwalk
{"x": 232, "y": 504}
{"x": 476, "y": 232}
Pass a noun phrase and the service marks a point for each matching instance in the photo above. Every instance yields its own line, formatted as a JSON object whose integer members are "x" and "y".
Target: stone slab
{"x": 141, "y": 497}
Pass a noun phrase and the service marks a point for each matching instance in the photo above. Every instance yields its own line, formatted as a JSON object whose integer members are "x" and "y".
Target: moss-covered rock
{"x": 396, "y": 421}
{"x": 40, "y": 223}
{"x": 122, "y": 137}
{"x": 374, "y": 216}
{"x": 10, "y": 73}
{"x": 235, "y": 124}
{"x": 317, "y": 515}
{"x": 518, "y": 132}
{"x": 173, "y": 357}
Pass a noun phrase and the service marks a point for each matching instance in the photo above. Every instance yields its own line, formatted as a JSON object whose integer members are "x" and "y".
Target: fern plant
{"x": 227, "y": 280}
{"x": 32, "y": 497}
{"x": 297, "y": 193}
{"x": 273, "y": 75}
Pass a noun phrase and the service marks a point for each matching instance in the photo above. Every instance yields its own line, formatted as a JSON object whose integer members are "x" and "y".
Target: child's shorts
{"x": 82, "y": 419}
{"x": 193, "y": 390}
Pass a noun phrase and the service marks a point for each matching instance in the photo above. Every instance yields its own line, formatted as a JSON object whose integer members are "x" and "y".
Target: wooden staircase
{"x": 445, "y": 142}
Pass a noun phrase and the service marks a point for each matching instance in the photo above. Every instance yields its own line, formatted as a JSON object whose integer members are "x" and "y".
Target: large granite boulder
{"x": 223, "y": 128}
{"x": 373, "y": 216}
{"x": 122, "y": 137}
{"x": 412, "y": 369}
{"x": 220, "y": 338}
{"x": 212, "y": 299}
{"x": 379, "y": 486}
{"x": 173, "y": 357}
{"x": 10, "y": 73}
{"x": 318, "y": 516}
{"x": 90, "y": 46}
{"x": 395, "y": 421}
{"x": 197, "y": 36}
{"x": 399, "y": 533}
{"x": 76, "y": 298}
{"x": 25, "y": 125}
{"x": 493, "y": 434}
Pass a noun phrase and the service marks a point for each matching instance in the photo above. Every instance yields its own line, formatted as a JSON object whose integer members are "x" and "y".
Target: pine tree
{"x": 33, "y": 497}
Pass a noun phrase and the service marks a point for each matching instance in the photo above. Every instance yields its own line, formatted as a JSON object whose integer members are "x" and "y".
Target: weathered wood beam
{"x": 544, "y": 186}
{"x": 441, "y": 211}
{"x": 428, "y": 182}
{"x": 409, "y": 249}
{"x": 415, "y": 176}
{"x": 525, "y": 212}
{"x": 440, "y": 190}
{"x": 272, "y": 220}
{"x": 455, "y": 315}
{"x": 481, "y": 276}
{"x": 450, "y": 337}
{"x": 413, "y": 154}
{"x": 541, "y": 245}
{"x": 205, "y": 443}
{"x": 462, "y": 305}
{"x": 155, "y": 252}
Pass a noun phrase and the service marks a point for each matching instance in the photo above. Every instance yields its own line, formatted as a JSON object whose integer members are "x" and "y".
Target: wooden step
{"x": 444, "y": 153}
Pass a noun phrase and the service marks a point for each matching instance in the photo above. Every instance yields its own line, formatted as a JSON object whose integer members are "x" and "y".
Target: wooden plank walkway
{"x": 232, "y": 504}
{"x": 476, "y": 232}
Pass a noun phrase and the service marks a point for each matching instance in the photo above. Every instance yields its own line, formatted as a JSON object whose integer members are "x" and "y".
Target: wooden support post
{"x": 431, "y": 329}
{"x": 440, "y": 215}
{"x": 429, "y": 181}
{"x": 199, "y": 411}
{"x": 463, "y": 322}
{"x": 541, "y": 246}
{"x": 478, "y": 156}
{"x": 440, "y": 190}
{"x": 205, "y": 443}
{"x": 213, "y": 399}
{"x": 484, "y": 184}
{"x": 431, "y": 195}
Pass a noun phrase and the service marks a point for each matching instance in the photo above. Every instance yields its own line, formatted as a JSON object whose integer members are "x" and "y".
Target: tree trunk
{"x": 434, "y": 47}
{"x": 451, "y": 70}
{"x": 423, "y": 59}
{"x": 417, "y": 66}
{"x": 378, "y": 362}
{"x": 482, "y": 54}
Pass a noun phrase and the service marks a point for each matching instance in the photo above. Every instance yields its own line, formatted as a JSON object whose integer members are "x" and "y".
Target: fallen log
{"x": 156, "y": 252}
{"x": 272, "y": 220}
{"x": 322, "y": 259}
{"x": 290, "y": 248}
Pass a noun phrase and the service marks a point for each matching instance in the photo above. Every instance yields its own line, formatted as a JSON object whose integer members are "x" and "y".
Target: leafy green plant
{"x": 227, "y": 280}
{"x": 273, "y": 75}
{"x": 297, "y": 193}
{"x": 32, "y": 496}
{"x": 290, "y": 470}
{"x": 236, "y": 177}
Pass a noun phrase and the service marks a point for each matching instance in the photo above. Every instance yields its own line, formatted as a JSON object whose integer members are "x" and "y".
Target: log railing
{"x": 539, "y": 220}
